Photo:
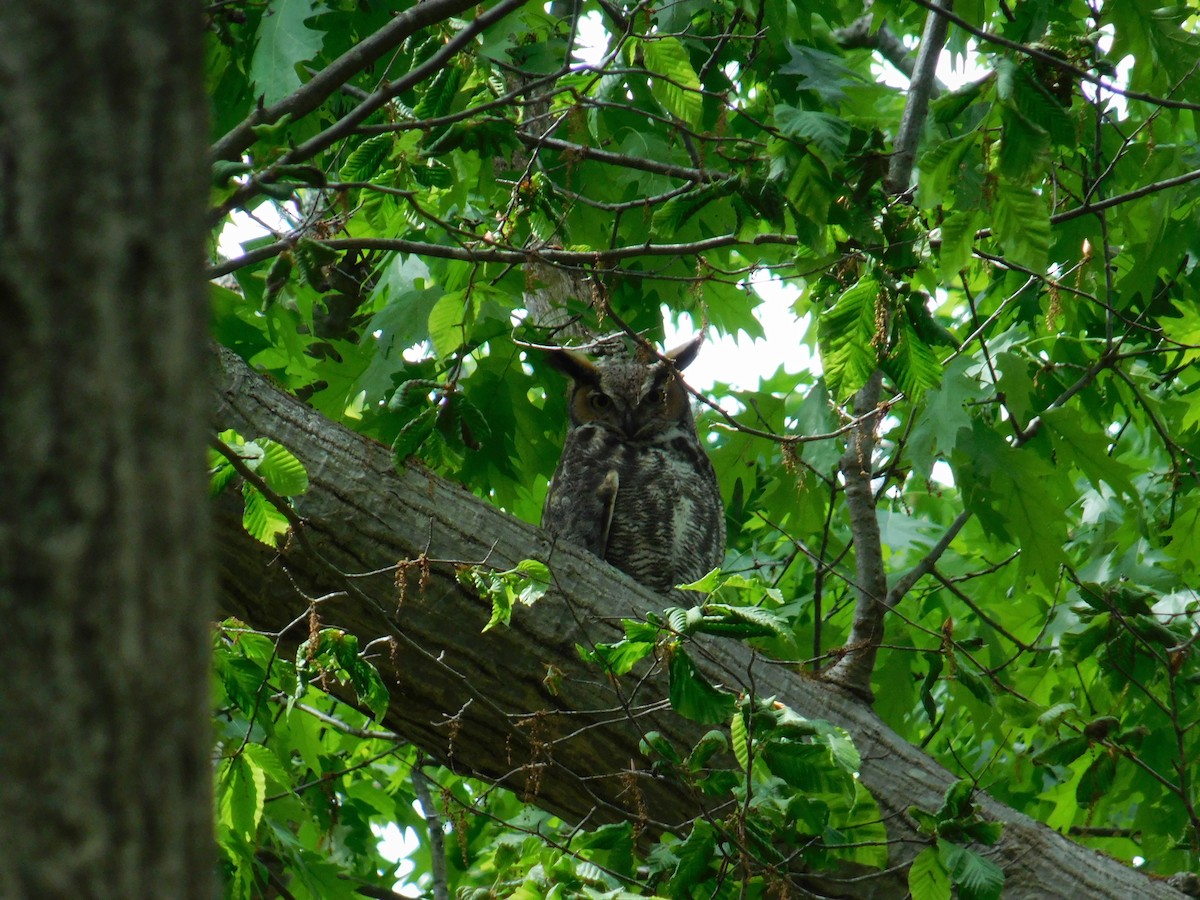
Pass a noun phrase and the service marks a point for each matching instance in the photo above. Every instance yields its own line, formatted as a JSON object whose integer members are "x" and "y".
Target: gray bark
{"x": 105, "y": 574}
{"x": 516, "y": 705}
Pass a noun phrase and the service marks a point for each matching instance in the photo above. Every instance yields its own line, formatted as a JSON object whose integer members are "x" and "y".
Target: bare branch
{"x": 920, "y": 90}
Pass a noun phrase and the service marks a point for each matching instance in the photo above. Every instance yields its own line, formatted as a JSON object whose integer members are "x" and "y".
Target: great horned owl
{"x": 633, "y": 485}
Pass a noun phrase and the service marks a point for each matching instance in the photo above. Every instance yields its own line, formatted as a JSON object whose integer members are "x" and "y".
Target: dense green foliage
{"x": 1041, "y": 406}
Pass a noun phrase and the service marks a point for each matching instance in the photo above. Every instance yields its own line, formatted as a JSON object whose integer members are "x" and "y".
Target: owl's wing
{"x": 606, "y": 493}
{"x": 583, "y": 494}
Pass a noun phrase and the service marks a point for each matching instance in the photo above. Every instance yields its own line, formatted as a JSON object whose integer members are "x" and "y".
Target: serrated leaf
{"x": 846, "y": 334}
{"x": 366, "y": 159}
{"x": 368, "y": 686}
{"x": 822, "y": 72}
{"x": 535, "y": 570}
{"x": 1024, "y": 147}
{"x": 707, "y": 584}
{"x": 1097, "y": 780}
{"x": 678, "y": 90}
{"x": 243, "y": 789}
{"x": 762, "y": 622}
{"x": 281, "y": 470}
{"x": 912, "y": 365}
{"x": 261, "y": 519}
{"x": 976, "y": 877}
{"x": 473, "y": 427}
{"x": 671, "y": 216}
{"x": 414, "y": 433}
{"x": 808, "y": 767}
{"x": 692, "y": 696}
{"x": 621, "y": 657}
{"x": 928, "y": 878}
{"x": 1062, "y": 753}
{"x": 950, "y": 106}
{"x": 1022, "y": 224}
{"x": 712, "y": 742}
{"x": 438, "y": 98}
{"x": 828, "y": 135}
{"x": 695, "y": 855}
{"x": 958, "y": 240}
{"x": 740, "y": 738}
{"x": 956, "y": 801}
{"x": 943, "y": 166}
{"x": 931, "y": 677}
{"x": 448, "y": 323}
{"x": 654, "y": 744}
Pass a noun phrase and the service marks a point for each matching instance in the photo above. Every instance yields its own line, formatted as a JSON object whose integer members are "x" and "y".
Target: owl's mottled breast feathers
{"x": 633, "y": 485}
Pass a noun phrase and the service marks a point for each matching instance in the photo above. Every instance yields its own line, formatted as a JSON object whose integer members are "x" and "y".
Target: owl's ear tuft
{"x": 683, "y": 355}
{"x": 574, "y": 365}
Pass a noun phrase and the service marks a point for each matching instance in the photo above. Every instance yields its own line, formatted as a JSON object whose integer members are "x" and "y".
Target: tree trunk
{"x": 515, "y": 704}
{"x": 104, "y": 555}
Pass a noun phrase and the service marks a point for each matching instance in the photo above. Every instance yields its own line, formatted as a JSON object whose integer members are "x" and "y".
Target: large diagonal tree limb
{"x": 516, "y": 705}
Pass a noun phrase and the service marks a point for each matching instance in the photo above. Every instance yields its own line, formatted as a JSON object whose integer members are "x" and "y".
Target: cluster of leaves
{"x": 1032, "y": 305}
{"x": 268, "y": 474}
{"x": 799, "y": 802}
{"x": 300, "y": 779}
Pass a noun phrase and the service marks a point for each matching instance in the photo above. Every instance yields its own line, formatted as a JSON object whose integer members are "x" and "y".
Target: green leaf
{"x": 366, "y": 159}
{"x": 1062, "y": 753}
{"x": 449, "y": 323}
{"x": 928, "y": 878}
{"x": 696, "y": 854}
{"x": 284, "y": 41}
{"x": 1077, "y": 441}
{"x": 1017, "y": 496}
{"x": 262, "y": 519}
{"x": 414, "y": 434}
{"x": 931, "y": 678}
{"x": 1184, "y": 534}
{"x": 912, "y": 364}
{"x": 368, "y": 686}
{"x": 824, "y": 73}
{"x": 1097, "y": 780}
{"x": 621, "y": 657}
{"x": 243, "y": 791}
{"x": 806, "y": 767}
{"x": 847, "y": 335}
{"x": 438, "y": 99}
{"x": 958, "y": 240}
{"x": 283, "y": 472}
{"x": 828, "y": 134}
{"x": 740, "y": 737}
{"x": 976, "y": 877}
{"x": 975, "y": 683}
{"x": 712, "y": 742}
{"x": 656, "y": 745}
{"x": 536, "y": 575}
{"x": 692, "y": 696}
{"x": 1022, "y": 224}
{"x": 678, "y": 90}
{"x": 1023, "y": 147}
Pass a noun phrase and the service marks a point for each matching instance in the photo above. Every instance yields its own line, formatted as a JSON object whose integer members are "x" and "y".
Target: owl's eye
{"x": 599, "y": 401}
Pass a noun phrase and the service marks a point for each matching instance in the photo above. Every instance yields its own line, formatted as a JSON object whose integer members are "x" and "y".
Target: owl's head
{"x": 633, "y": 398}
